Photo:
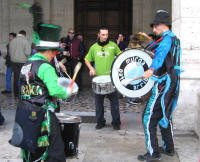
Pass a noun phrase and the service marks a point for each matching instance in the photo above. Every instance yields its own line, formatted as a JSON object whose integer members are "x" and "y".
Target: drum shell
{"x": 103, "y": 88}
{"x": 70, "y": 131}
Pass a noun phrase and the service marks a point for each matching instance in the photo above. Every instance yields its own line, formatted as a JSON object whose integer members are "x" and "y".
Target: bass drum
{"x": 128, "y": 65}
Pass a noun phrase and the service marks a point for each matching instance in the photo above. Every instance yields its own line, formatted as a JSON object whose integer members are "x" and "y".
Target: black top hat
{"x": 162, "y": 17}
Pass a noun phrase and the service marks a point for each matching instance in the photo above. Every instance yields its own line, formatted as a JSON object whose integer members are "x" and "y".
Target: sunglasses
{"x": 71, "y": 32}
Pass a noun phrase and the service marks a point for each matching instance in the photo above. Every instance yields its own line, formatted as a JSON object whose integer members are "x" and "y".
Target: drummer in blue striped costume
{"x": 165, "y": 71}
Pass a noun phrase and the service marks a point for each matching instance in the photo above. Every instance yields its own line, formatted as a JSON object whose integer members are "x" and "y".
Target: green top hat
{"x": 47, "y": 37}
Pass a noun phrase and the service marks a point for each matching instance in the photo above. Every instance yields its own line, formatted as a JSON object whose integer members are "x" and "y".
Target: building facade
{"x": 128, "y": 16}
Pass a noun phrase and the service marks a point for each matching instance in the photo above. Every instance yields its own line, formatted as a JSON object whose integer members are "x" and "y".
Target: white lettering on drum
{"x": 135, "y": 59}
{"x": 140, "y": 62}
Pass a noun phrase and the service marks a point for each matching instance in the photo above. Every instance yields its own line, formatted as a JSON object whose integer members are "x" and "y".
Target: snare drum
{"x": 102, "y": 85}
{"x": 70, "y": 129}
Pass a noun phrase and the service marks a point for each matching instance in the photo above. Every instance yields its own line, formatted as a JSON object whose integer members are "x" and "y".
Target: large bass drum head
{"x": 128, "y": 65}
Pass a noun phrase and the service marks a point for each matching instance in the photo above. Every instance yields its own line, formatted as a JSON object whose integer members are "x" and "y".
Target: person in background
{"x": 9, "y": 67}
{"x": 121, "y": 42}
{"x": 135, "y": 42}
{"x": 20, "y": 50}
{"x": 76, "y": 53}
{"x": 80, "y": 37}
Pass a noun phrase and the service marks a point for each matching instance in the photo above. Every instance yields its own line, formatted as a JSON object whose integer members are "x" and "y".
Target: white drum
{"x": 131, "y": 64}
{"x": 102, "y": 85}
{"x": 66, "y": 82}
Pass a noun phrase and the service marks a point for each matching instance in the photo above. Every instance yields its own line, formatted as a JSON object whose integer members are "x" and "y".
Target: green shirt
{"x": 103, "y": 57}
{"x": 48, "y": 75}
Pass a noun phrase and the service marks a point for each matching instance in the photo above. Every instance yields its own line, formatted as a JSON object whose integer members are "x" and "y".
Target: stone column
{"x": 186, "y": 25}
{"x": 61, "y": 13}
{"x": 137, "y": 15}
{"x": 4, "y": 30}
{"x": 144, "y": 12}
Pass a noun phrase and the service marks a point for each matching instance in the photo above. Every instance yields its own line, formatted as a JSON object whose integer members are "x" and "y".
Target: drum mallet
{"x": 76, "y": 70}
{"x": 68, "y": 75}
{"x": 125, "y": 82}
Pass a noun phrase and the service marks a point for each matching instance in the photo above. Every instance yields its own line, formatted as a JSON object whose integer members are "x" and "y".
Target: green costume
{"x": 47, "y": 74}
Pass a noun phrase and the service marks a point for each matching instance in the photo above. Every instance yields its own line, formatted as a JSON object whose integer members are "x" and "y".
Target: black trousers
{"x": 56, "y": 149}
{"x": 153, "y": 114}
{"x": 2, "y": 119}
{"x": 16, "y": 84}
{"x": 99, "y": 104}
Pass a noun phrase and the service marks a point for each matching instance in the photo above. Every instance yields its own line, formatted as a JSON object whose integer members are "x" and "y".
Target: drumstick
{"x": 141, "y": 77}
{"x": 76, "y": 70}
{"x": 125, "y": 82}
{"x": 68, "y": 75}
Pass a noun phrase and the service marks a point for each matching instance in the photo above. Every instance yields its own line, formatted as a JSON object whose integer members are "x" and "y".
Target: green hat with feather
{"x": 45, "y": 36}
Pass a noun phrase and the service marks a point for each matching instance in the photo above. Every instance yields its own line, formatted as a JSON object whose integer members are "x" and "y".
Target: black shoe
{"x": 5, "y": 92}
{"x": 2, "y": 119}
{"x": 148, "y": 157}
{"x": 99, "y": 126}
{"x": 169, "y": 153}
{"x": 116, "y": 127}
{"x": 133, "y": 101}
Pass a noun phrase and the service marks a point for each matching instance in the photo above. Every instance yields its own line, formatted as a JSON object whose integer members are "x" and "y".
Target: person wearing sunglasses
{"x": 76, "y": 50}
{"x": 102, "y": 53}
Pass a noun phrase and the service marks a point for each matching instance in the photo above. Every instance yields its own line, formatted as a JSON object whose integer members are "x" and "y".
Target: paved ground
{"x": 104, "y": 145}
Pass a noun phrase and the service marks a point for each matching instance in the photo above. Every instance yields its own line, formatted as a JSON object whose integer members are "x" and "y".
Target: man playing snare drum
{"x": 102, "y": 53}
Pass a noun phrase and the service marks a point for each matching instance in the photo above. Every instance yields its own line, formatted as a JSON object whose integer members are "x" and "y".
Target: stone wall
{"x": 144, "y": 12}
{"x": 13, "y": 19}
{"x": 186, "y": 24}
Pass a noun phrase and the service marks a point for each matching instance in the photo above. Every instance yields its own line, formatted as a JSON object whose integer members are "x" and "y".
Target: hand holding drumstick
{"x": 125, "y": 82}
{"x": 76, "y": 70}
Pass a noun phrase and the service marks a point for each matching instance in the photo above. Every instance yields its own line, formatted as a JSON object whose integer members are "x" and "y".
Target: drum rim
{"x": 101, "y": 76}
{"x": 76, "y": 120}
{"x": 111, "y": 75}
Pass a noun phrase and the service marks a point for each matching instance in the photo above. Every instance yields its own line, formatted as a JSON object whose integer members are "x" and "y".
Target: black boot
{"x": 2, "y": 119}
{"x": 166, "y": 152}
{"x": 149, "y": 157}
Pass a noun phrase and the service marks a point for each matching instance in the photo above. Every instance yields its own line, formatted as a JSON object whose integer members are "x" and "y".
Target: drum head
{"x": 66, "y": 82}
{"x": 128, "y": 65}
{"x": 102, "y": 79}
{"x": 65, "y": 118}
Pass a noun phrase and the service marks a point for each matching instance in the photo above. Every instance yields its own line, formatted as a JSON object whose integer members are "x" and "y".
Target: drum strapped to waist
{"x": 131, "y": 64}
{"x": 70, "y": 130}
{"x": 70, "y": 98}
{"x": 102, "y": 85}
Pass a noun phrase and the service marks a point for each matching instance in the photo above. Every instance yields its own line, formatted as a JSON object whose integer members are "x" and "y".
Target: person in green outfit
{"x": 36, "y": 129}
{"x": 103, "y": 53}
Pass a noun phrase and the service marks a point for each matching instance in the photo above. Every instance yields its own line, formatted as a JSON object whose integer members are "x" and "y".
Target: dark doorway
{"x": 91, "y": 14}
